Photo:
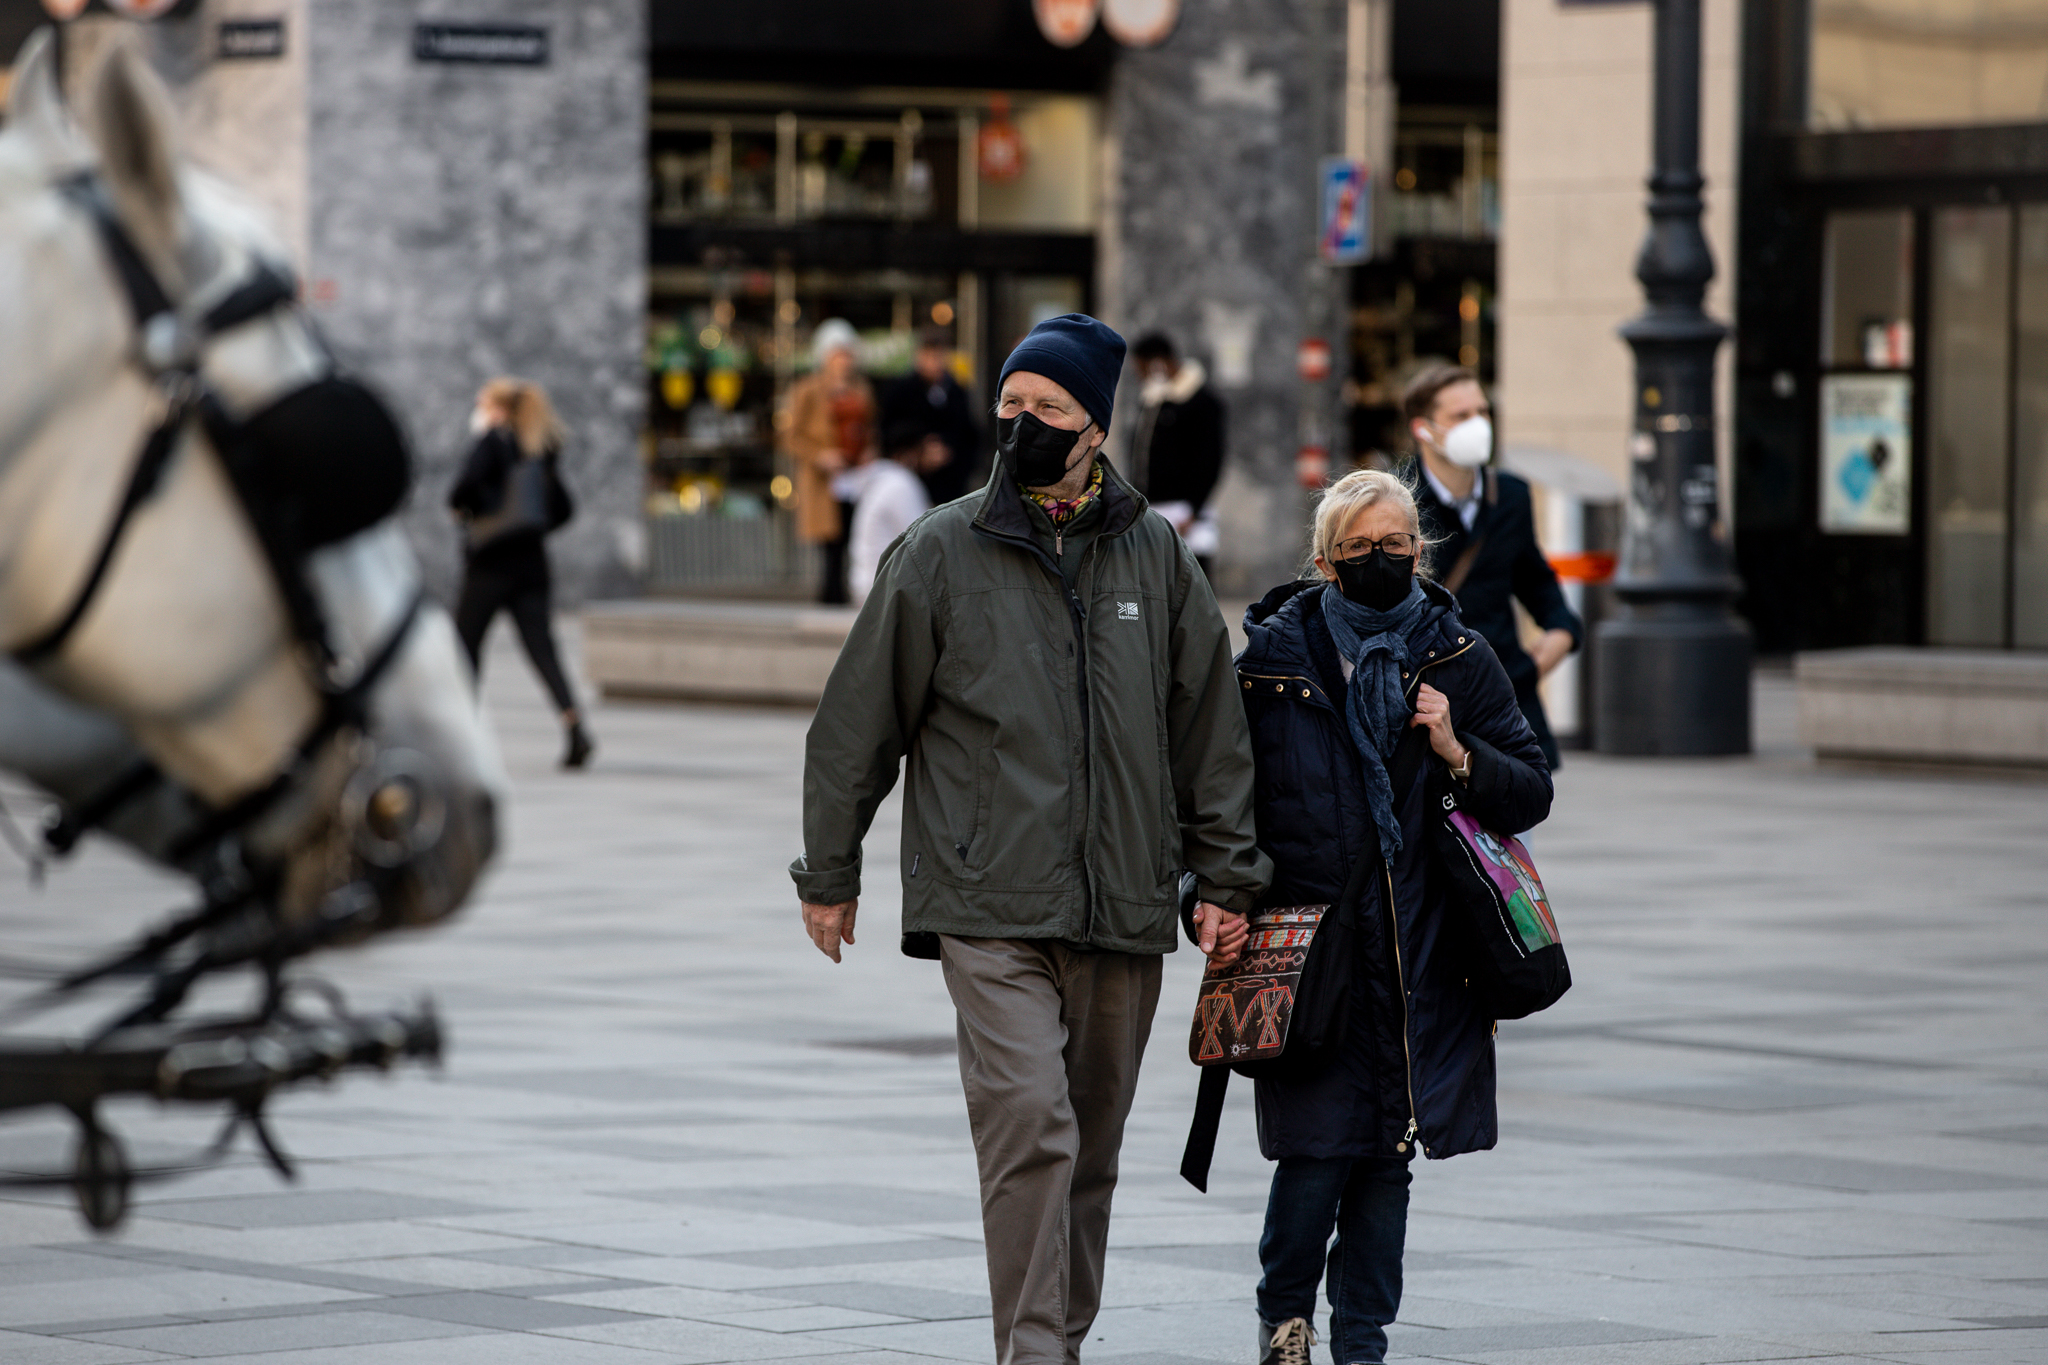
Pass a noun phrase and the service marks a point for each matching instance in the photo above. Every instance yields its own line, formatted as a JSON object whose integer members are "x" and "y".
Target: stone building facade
{"x": 451, "y": 221}
{"x": 1575, "y": 151}
{"x": 1211, "y": 239}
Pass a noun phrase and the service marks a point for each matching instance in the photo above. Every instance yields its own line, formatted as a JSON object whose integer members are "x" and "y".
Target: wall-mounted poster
{"x": 1866, "y": 454}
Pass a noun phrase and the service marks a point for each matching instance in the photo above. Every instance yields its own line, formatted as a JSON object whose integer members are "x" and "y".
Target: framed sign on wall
{"x": 1866, "y": 454}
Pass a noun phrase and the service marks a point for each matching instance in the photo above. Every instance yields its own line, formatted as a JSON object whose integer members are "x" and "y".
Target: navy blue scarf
{"x": 1376, "y": 643}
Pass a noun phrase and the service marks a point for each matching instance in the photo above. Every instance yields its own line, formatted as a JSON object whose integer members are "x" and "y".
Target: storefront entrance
{"x": 1941, "y": 450}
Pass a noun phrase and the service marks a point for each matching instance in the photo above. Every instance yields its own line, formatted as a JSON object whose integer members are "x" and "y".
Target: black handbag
{"x": 523, "y": 506}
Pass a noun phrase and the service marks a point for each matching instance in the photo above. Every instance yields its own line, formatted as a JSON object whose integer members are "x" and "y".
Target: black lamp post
{"x": 1673, "y": 667}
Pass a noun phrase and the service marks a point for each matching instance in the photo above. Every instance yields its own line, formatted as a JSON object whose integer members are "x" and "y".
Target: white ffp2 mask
{"x": 1470, "y": 443}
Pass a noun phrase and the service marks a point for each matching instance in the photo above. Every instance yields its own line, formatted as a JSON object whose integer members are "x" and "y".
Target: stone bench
{"x": 713, "y": 651}
{"x": 1926, "y": 705}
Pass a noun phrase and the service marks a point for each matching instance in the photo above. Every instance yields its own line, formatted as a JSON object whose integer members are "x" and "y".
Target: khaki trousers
{"x": 1050, "y": 1041}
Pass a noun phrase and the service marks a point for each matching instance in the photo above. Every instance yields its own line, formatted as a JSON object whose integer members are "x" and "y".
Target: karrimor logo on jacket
{"x": 1127, "y": 611}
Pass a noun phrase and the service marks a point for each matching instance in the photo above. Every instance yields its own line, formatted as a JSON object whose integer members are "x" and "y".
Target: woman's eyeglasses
{"x": 1400, "y": 545}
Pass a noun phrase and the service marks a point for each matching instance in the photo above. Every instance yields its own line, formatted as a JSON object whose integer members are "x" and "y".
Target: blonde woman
{"x": 509, "y": 498}
{"x": 1337, "y": 668}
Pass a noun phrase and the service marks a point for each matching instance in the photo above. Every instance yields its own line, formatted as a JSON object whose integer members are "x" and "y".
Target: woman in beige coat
{"x": 829, "y": 440}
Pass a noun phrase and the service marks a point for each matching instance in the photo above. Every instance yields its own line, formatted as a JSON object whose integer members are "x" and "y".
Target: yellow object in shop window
{"x": 724, "y": 387}
{"x": 678, "y": 387}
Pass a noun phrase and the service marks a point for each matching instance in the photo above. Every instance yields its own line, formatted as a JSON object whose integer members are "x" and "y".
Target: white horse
{"x": 191, "y": 654}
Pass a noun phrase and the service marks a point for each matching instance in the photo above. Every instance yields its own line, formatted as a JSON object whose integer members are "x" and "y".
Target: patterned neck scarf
{"x": 1060, "y": 511}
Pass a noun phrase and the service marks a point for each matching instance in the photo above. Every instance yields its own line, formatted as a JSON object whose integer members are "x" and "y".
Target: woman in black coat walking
{"x": 1335, "y": 671}
{"x": 509, "y": 498}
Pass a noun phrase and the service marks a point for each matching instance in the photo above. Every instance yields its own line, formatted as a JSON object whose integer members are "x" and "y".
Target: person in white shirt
{"x": 891, "y": 499}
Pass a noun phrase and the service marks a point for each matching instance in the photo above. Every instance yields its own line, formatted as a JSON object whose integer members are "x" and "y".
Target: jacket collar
{"x": 1187, "y": 381}
{"x": 1423, "y": 485}
{"x": 1276, "y": 626}
{"x": 1002, "y": 513}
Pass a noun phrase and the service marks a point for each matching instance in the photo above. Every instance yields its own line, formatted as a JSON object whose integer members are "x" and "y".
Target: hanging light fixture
{"x": 1065, "y": 23}
{"x": 1140, "y": 23}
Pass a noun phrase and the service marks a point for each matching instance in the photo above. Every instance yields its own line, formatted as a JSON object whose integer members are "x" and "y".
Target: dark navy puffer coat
{"x": 1417, "y": 1070}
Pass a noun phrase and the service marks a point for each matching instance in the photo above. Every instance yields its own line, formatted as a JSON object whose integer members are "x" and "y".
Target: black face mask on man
{"x": 1377, "y": 580}
{"x": 1037, "y": 455}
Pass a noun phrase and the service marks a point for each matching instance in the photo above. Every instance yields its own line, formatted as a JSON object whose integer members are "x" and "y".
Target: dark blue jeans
{"x": 1365, "y": 1199}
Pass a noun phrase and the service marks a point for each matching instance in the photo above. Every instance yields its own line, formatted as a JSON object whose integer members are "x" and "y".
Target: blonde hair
{"x": 1343, "y": 500}
{"x": 527, "y": 411}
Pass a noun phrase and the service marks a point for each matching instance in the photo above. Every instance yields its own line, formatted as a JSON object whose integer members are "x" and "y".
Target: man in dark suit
{"x": 931, "y": 398}
{"x": 1481, "y": 523}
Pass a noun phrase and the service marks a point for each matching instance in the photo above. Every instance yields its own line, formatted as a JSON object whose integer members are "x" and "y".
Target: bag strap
{"x": 1194, "y": 1161}
{"x": 1462, "y": 566}
{"x": 1201, "y": 1148}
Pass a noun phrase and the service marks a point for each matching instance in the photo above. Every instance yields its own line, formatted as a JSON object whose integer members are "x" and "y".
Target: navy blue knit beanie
{"x": 1074, "y": 351}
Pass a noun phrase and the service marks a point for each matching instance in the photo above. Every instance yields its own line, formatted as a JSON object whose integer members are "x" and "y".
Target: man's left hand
{"x": 1551, "y": 650}
{"x": 1220, "y": 933}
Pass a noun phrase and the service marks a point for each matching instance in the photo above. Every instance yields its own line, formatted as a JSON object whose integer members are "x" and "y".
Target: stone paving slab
{"x": 1796, "y": 1107}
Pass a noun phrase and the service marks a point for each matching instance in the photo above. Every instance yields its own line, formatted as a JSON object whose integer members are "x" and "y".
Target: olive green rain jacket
{"x": 1072, "y": 722}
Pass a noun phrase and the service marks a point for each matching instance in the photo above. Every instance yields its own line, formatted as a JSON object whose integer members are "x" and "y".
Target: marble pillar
{"x": 466, "y": 221}
{"x": 1211, "y": 236}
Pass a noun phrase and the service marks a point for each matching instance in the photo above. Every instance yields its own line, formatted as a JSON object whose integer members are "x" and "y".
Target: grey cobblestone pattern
{"x": 1793, "y": 1110}
{"x": 478, "y": 220}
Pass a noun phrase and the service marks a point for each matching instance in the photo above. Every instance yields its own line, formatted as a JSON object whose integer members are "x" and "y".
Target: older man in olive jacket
{"x": 1050, "y": 660}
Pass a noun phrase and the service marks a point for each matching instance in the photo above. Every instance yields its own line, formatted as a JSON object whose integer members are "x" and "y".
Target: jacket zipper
{"x": 1077, "y": 617}
{"x": 1401, "y": 983}
{"x": 1078, "y": 614}
{"x": 1400, "y": 971}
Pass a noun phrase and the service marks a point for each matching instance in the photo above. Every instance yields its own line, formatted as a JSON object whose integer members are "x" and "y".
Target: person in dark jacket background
{"x": 1179, "y": 443}
{"x": 505, "y": 566}
{"x": 1481, "y": 521}
{"x": 931, "y": 398}
{"x": 1336, "y": 669}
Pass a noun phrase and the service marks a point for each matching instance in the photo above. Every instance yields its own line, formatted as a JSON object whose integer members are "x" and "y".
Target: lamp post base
{"x": 1673, "y": 678}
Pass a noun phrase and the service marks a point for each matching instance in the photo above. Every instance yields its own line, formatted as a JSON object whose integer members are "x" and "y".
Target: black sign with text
{"x": 250, "y": 39}
{"x": 481, "y": 44}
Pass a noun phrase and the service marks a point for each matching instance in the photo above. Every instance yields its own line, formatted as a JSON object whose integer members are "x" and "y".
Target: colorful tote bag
{"x": 1516, "y": 959}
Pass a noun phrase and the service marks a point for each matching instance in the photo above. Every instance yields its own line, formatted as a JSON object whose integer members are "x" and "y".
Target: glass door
{"x": 1969, "y": 376}
{"x": 2030, "y": 443}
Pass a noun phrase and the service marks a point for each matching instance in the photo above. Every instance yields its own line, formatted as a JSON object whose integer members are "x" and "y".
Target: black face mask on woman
{"x": 1378, "y": 580}
{"x": 1036, "y": 455}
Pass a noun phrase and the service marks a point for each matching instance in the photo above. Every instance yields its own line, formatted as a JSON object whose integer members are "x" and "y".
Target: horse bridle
{"x": 170, "y": 349}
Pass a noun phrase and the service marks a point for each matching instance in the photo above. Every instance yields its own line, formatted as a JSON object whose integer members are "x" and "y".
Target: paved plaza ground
{"x": 1795, "y": 1108}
